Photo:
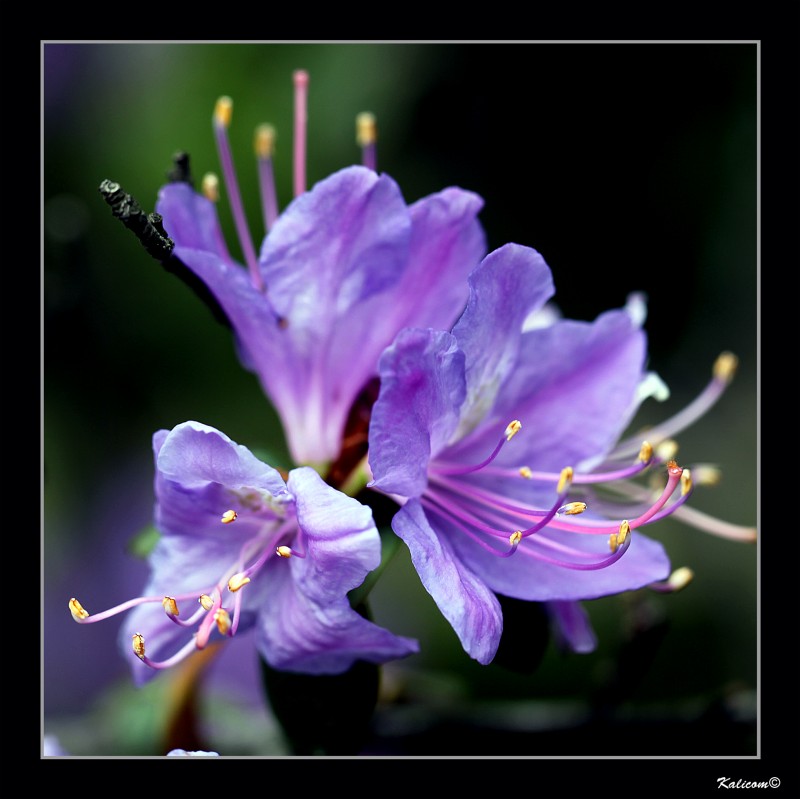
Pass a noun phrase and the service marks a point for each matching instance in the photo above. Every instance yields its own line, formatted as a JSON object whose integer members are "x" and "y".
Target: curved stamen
{"x": 222, "y": 119}
{"x": 439, "y": 467}
{"x": 181, "y": 654}
{"x": 722, "y": 374}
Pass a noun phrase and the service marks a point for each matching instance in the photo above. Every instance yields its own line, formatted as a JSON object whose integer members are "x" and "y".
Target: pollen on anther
{"x": 223, "y": 111}
{"x": 667, "y": 449}
{"x": 138, "y": 645}
{"x": 706, "y": 475}
{"x": 512, "y": 429}
{"x": 686, "y": 482}
{"x": 237, "y": 581}
{"x": 515, "y": 538}
{"x": 170, "y": 606}
{"x": 77, "y": 610}
{"x": 229, "y": 516}
{"x": 680, "y": 578}
{"x": 612, "y": 542}
{"x": 264, "y": 141}
{"x": 572, "y": 508}
{"x": 210, "y": 187}
{"x": 624, "y": 532}
{"x": 646, "y": 452}
{"x": 565, "y": 480}
{"x": 525, "y": 471}
{"x": 283, "y": 552}
{"x": 366, "y": 129}
{"x": 725, "y": 366}
{"x": 223, "y": 620}
{"x": 206, "y": 601}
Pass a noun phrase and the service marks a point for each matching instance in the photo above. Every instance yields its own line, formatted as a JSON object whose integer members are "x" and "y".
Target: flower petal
{"x": 574, "y": 388}
{"x": 422, "y": 388}
{"x": 461, "y": 595}
{"x": 510, "y": 282}
{"x": 572, "y": 626}
{"x": 308, "y": 624}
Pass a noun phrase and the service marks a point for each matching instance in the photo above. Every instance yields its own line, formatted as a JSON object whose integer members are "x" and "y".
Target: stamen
{"x": 223, "y": 620}
{"x": 565, "y": 480}
{"x": 705, "y": 474}
{"x": 138, "y": 645}
{"x": 264, "y": 147}
{"x": 237, "y": 582}
{"x": 512, "y": 429}
{"x": 525, "y": 471}
{"x": 222, "y": 119}
{"x": 366, "y": 138}
{"x": 725, "y": 367}
{"x": 646, "y": 452}
{"x": 300, "y": 124}
{"x": 667, "y": 450}
{"x": 170, "y": 606}
{"x": 572, "y": 508}
{"x": 677, "y": 581}
{"x": 283, "y": 552}
{"x": 686, "y": 482}
{"x": 229, "y": 516}
{"x": 210, "y": 187}
{"x": 77, "y": 610}
{"x": 442, "y": 468}
{"x": 206, "y": 601}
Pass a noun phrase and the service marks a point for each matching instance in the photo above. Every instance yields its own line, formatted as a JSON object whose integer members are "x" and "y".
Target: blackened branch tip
{"x": 147, "y": 228}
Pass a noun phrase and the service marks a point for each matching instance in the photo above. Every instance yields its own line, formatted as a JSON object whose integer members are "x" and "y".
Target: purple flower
{"x": 242, "y": 549}
{"x": 342, "y": 269}
{"x": 484, "y": 515}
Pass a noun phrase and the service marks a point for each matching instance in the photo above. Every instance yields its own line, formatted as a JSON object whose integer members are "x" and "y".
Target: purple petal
{"x": 572, "y": 626}
{"x": 511, "y": 282}
{"x": 308, "y": 624}
{"x": 461, "y": 595}
{"x": 422, "y": 388}
{"x": 574, "y": 388}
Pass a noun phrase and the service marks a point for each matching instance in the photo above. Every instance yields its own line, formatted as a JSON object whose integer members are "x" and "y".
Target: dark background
{"x": 630, "y": 167}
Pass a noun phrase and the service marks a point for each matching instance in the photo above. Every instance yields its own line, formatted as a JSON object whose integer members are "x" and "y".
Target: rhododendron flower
{"x": 242, "y": 549}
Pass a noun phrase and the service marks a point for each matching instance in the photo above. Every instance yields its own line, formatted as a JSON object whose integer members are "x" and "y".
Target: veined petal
{"x": 295, "y": 633}
{"x": 342, "y": 542}
{"x": 422, "y": 388}
{"x": 461, "y": 595}
{"x": 308, "y": 624}
{"x": 574, "y": 388}
{"x": 510, "y": 282}
{"x": 191, "y": 220}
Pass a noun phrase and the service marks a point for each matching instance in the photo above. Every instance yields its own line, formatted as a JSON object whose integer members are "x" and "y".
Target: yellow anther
{"x": 624, "y": 532}
{"x": 223, "y": 620}
{"x": 612, "y": 542}
{"x": 706, "y": 475}
{"x": 77, "y": 610}
{"x": 515, "y": 538}
{"x": 206, "y": 601}
{"x": 283, "y": 552}
{"x": 725, "y": 366}
{"x": 170, "y": 606}
{"x": 686, "y": 482}
{"x": 573, "y": 508}
{"x": 366, "y": 129}
{"x": 138, "y": 645}
{"x": 229, "y": 516}
{"x": 565, "y": 480}
{"x": 680, "y": 578}
{"x": 237, "y": 581}
{"x": 512, "y": 429}
{"x": 210, "y": 187}
{"x": 525, "y": 471}
{"x": 646, "y": 452}
{"x": 223, "y": 111}
{"x": 264, "y": 141}
{"x": 667, "y": 449}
